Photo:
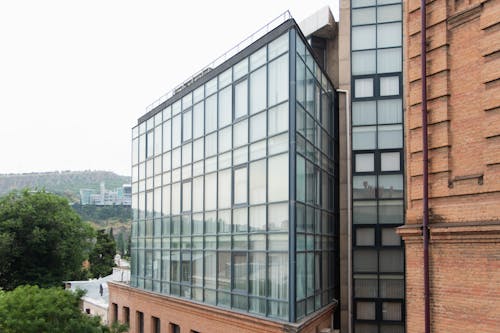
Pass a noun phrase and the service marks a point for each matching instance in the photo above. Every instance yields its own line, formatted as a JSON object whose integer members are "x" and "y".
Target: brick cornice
{"x": 460, "y": 232}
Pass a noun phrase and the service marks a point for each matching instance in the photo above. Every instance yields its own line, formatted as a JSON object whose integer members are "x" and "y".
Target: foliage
{"x": 103, "y": 213}
{"x": 65, "y": 183}
{"x": 42, "y": 240}
{"x": 30, "y": 309}
{"x": 102, "y": 255}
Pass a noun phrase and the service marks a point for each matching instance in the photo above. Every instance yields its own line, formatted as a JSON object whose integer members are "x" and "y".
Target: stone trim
{"x": 466, "y": 232}
{"x": 464, "y": 16}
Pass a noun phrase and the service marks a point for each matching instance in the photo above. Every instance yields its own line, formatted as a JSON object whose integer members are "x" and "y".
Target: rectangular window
{"x": 156, "y": 325}
{"x": 363, "y": 62}
{"x": 365, "y": 162}
{"x": 278, "y": 80}
{"x": 389, "y": 111}
{"x": 388, "y": 35}
{"x": 258, "y": 90}
{"x": 258, "y": 182}
{"x": 240, "y": 271}
{"x": 240, "y": 69}
{"x": 363, "y": 88}
{"x": 390, "y": 161}
{"x": 278, "y": 119}
{"x": 174, "y": 328}
{"x": 224, "y": 192}
{"x": 225, "y": 107}
{"x": 389, "y": 86}
{"x": 258, "y": 127}
{"x": 363, "y": 37}
{"x": 390, "y": 136}
{"x": 240, "y": 133}
{"x": 210, "y": 191}
{"x": 240, "y": 186}
{"x": 240, "y": 220}
{"x": 176, "y": 131}
{"x": 126, "y": 314}
{"x": 210, "y": 269}
{"x": 241, "y": 99}
{"x": 140, "y": 322}
{"x": 198, "y": 120}
{"x": 278, "y": 178}
{"x": 278, "y": 275}
{"x": 389, "y": 60}
{"x": 257, "y": 276}
{"x": 225, "y": 142}
{"x": 211, "y": 113}
{"x": 223, "y": 270}
{"x": 363, "y": 137}
{"x": 186, "y": 125}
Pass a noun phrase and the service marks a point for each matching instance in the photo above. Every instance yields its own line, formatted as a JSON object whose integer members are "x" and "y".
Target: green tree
{"x": 42, "y": 240}
{"x": 30, "y": 309}
{"x": 102, "y": 255}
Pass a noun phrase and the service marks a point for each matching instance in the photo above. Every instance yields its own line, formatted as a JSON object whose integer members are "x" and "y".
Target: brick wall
{"x": 463, "y": 88}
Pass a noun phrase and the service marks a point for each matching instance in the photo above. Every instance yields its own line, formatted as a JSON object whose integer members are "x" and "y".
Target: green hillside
{"x": 65, "y": 183}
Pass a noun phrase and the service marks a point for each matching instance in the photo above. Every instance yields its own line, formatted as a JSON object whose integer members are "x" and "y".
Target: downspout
{"x": 425, "y": 148}
{"x": 349, "y": 204}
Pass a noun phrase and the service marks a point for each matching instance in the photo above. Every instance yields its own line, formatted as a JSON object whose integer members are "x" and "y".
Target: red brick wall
{"x": 205, "y": 319}
{"x": 463, "y": 88}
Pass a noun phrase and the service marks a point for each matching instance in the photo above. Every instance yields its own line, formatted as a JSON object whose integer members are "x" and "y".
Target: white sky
{"x": 76, "y": 75}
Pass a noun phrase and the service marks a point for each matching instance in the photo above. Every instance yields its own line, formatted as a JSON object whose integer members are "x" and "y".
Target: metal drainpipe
{"x": 425, "y": 148}
{"x": 349, "y": 204}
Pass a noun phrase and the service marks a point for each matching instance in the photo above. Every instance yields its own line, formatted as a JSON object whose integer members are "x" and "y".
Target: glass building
{"x": 235, "y": 185}
{"x": 377, "y": 159}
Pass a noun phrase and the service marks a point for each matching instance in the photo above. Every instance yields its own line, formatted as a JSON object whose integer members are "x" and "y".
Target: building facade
{"x": 234, "y": 191}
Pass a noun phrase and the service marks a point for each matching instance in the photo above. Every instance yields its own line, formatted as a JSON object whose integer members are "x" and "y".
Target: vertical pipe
{"x": 425, "y": 148}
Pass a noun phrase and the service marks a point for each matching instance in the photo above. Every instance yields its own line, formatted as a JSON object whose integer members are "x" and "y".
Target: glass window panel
{"x": 240, "y": 69}
{"x": 365, "y": 286}
{"x": 391, "y": 211}
{"x": 186, "y": 196}
{"x": 166, "y": 200}
{"x": 278, "y": 119}
{"x": 198, "y": 121}
{"x": 390, "y": 136}
{"x": 309, "y": 92}
{"x": 365, "y": 162}
{"x": 277, "y": 242}
{"x": 176, "y": 131}
{"x": 391, "y": 286}
{"x": 365, "y": 310}
{"x": 364, "y": 113}
{"x": 278, "y": 217}
{"x": 257, "y": 218}
{"x": 362, "y": 3}
{"x": 240, "y": 271}
{"x": 391, "y": 260}
{"x": 363, "y": 16}
{"x": 225, "y": 78}
{"x": 258, "y": 182}
{"x": 167, "y": 138}
{"x": 211, "y": 114}
{"x": 258, "y": 90}
{"x": 364, "y": 212}
{"x": 258, "y": 150}
{"x": 391, "y": 311}
{"x": 390, "y": 237}
{"x": 240, "y": 220}
{"x": 389, "y": 13}
{"x": 278, "y": 46}
{"x": 223, "y": 270}
{"x": 211, "y": 164}
{"x": 224, "y": 226}
{"x": 240, "y": 156}
{"x": 176, "y": 158}
{"x": 198, "y": 150}
{"x": 365, "y": 236}
{"x": 363, "y": 62}
{"x": 278, "y": 275}
{"x": 211, "y": 86}
{"x": 364, "y": 187}
{"x": 210, "y": 269}
{"x": 225, "y": 142}
{"x": 363, "y": 87}
{"x": 390, "y": 161}
{"x": 198, "y": 94}
{"x": 198, "y": 168}
{"x": 386, "y": 2}
{"x": 210, "y": 228}
{"x": 240, "y": 185}
{"x": 150, "y": 144}
{"x": 278, "y": 144}
{"x": 198, "y": 194}
{"x": 224, "y": 189}
{"x": 389, "y": 35}
{"x": 301, "y": 81}
{"x": 365, "y": 260}
{"x": 240, "y": 242}
{"x": 211, "y": 144}
{"x": 390, "y": 111}
{"x": 224, "y": 160}
{"x": 390, "y": 186}
{"x": 363, "y": 137}
{"x": 363, "y": 37}
{"x": 389, "y": 86}
{"x": 225, "y": 107}
{"x": 258, "y": 127}
{"x": 241, "y": 99}
{"x": 176, "y": 108}
{"x": 157, "y": 146}
{"x": 186, "y": 154}
{"x": 389, "y": 60}
{"x": 301, "y": 179}
{"x": 240, "y": 133}
{"x": 176, "y": 198}
{"x": 187, "y": 101}
{"x": 278, "y": 178}
{"x": 257, "y": 277}
{"x": 258, "y": 58}
{"x": 210, "y": 191}
{"x": 278, "y": 80}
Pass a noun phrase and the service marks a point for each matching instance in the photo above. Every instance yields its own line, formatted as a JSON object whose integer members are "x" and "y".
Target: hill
{"x": 65, "y": 183}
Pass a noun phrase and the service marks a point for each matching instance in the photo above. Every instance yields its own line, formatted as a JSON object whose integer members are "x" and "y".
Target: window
{"x": 198, "y": 120}
{"x": 363, "y": 87}
{"x": 240, "y": 133}
{"x": 364, "y": 113}
{"x": 156, "y": 325}
{"x": 257, "y": 182}
{"x": 389, "y": 86}
{"x": 174, "y": 328}
{"x": 388, "y": 35}
{"x": 363, "y": 62}
{"x": 278, "y": 80}
{"x": 258, "y": 127}
{"x": 278, "y": 178}
{"x": 211, "y": 113}
{"x": 389, "y": 60}
{"x": 278, "y": 119}
{"x": 365, "y": 162}
{"x": 241, "y": 99}
{"x": 390, "y": 161}
{"x": 140, "y": 322}
{"x": 363, "y": 37}
{"x": 114, "y": 313}
{"x": 258, "y": 90}
{"x": 225, "y": 107}
{"x": 126, "y": 315}
{"x": 240, "y": 186}
{"x": 186, "y": 125}
{"x": 363, "y": 16}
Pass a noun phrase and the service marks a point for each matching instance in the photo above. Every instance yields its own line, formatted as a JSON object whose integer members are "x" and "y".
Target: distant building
{"x": 119, "y": 196}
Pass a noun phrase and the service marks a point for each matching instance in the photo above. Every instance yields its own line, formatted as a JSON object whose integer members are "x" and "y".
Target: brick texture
{"x": 463, "y": 90}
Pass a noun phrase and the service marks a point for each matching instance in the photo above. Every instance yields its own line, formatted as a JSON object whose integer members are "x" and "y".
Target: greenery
{"x": 103, "y": 213}
{"x": 65, "y": 183}
{"x": 102, "y": 255}
{"x": 42, "y": 240}
{"x": 30, "y": 309}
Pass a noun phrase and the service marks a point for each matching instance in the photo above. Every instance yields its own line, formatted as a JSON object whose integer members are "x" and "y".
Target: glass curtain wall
{"x": 212, "y": 183}
{"x": 377, "y": 144}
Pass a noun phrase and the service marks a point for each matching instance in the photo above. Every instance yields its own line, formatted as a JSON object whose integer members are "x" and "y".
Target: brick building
{"x": 463, "y": 101}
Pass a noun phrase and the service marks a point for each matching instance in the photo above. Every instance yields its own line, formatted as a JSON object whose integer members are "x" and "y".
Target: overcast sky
{"x": 76, "y": 75}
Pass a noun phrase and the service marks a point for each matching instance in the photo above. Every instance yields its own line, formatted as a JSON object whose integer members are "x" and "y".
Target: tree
{"x": 42, "y": 240}
{"x": 102, "y": 255}
{"x": 30, "y": 309}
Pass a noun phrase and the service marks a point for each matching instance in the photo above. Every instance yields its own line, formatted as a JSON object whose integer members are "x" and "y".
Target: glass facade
{"x": 377, "y": 154}
{"x": 233, "y": 185}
